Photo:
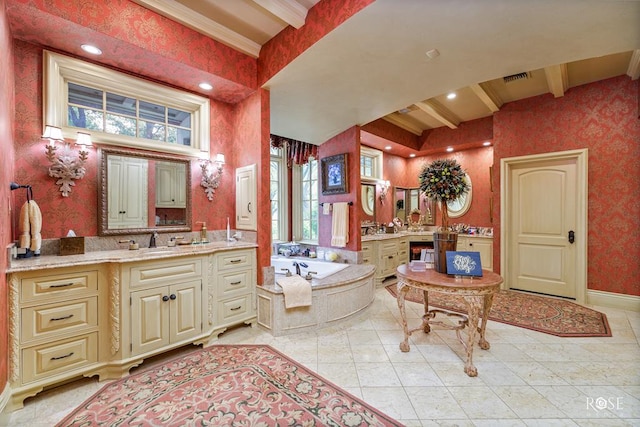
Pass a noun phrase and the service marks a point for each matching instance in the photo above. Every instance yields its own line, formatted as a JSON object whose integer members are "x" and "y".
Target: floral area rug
{"x": 543, "y": 314}
{"x": 224, "y": 385}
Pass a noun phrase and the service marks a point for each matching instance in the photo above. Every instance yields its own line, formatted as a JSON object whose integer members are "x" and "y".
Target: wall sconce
{"x": 66, "y": 165}
{"x": 211, "y": 177}
{"x": 384, "y": 188}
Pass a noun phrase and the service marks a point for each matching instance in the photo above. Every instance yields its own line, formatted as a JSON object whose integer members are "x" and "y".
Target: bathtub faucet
{"x": 297, "y": 265}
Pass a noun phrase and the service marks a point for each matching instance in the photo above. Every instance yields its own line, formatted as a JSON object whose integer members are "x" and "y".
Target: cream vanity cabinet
{"x": 232, "y": 289}
{"x": 165, "y": 300}
{"x": 170, "y": 185}
{"x": 386, "y": 254}
{"x": 127, "y": 192}
{"x": 481, "y": 244}
{"x": 54, "y": 328}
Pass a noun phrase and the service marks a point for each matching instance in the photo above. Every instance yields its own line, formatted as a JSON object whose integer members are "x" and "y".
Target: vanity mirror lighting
{"x": 140, "y": 192}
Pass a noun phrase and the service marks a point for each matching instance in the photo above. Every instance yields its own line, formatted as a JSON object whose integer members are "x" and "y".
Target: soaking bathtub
{"x": 322, "y": 269}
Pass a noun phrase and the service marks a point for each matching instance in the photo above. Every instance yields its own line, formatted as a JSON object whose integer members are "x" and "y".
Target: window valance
{"x": 298, "y": 152}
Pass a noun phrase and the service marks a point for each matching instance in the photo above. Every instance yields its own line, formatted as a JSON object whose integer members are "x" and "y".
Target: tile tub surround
{"x": 335, "y": 298}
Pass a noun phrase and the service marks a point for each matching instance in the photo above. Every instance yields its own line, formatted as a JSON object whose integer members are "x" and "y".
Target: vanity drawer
{"x": 235, "y": 282}
{"x": 51, "y": 319}
{"x": 235, "y": 259}
{"x": 165, "y": 272}
{"x": 67, "y": 286}
{"x": 234, "y": 309}
{"x": 56, "y": 358}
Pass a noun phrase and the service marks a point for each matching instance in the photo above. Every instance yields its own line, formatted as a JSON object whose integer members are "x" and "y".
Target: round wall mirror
{"x": 368, "y": 199}
{"x": 461, "y": 205}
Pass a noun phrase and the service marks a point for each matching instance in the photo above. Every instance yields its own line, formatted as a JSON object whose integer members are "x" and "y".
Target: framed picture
{"x": 464, "y": 263}
{"x": 334, "y": 174}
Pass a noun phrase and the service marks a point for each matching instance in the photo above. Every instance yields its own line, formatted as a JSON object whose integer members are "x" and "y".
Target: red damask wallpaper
{"x": 602, "y": 117}
{"x": 6, "y": 176}
{"x": 347, "y": 142}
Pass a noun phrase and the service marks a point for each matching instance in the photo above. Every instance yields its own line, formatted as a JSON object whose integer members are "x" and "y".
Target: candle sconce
{"x": 211, "y": 174}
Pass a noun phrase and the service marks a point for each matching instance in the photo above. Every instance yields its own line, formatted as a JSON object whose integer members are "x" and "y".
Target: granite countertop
{"x": 121, "y": 256}
{"x": 348, "y": 275}
{"x": 385, "y": 236}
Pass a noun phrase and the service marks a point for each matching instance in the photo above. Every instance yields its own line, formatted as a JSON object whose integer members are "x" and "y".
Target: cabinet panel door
{"x": 185, "y": 311}
{"x": 486, "y": 252}
{"x": 246, "y": 198}
{"x": 149, "y": 320}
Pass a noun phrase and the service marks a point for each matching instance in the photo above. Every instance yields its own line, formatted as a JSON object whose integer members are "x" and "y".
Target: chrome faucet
{"x": 297, "y": 266}
{"x": 152, "y": 241}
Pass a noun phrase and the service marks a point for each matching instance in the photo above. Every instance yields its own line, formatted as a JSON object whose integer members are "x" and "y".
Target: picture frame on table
{"x": 334, "y": 174}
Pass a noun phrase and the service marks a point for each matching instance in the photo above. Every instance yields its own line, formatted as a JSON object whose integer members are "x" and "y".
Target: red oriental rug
{"x": 538, "y": 313}
{"x": 225, "y": 385}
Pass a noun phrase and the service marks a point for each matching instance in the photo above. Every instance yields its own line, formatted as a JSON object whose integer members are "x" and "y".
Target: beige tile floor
{"x": 526, "y": 378}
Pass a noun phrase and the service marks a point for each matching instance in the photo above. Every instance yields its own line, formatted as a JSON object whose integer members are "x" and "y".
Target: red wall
{"x": 6, "y": 176}
{"x": 347, "y": 142}
{"x": 602, "y": 117}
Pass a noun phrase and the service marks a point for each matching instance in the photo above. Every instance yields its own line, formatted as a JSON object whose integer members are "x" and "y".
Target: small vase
{"x": 443, "y": 241}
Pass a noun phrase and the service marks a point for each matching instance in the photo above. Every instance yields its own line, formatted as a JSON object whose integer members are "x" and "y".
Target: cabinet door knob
{"x": 165, "y": 298}
{"x": 172, "y": 296}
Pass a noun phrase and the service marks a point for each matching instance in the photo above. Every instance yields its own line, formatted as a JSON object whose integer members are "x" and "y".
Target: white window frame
{"x": 60, "y": 69}
{"x": 377, "y": 157}
{"x": 283, "y": 190}
{"x": 296, "y": 198}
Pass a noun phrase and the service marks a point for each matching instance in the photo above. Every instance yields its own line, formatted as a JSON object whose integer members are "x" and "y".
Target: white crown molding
{"x": 182, "y": 14}
{"x": 289, "y": 11}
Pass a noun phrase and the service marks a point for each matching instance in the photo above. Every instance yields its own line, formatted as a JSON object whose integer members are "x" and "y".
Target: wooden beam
{"x": 290, "y": 11}
{"x": 439, "y": 113}
{"x": 402, "y": 122}
{"x": 197, "y": 22}
{"x": 488, "y": 98}
{"x": 634, "y": 65}
{"x": 557, "y": 79}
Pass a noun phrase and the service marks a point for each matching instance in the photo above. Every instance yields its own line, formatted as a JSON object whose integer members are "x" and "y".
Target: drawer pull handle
{"x": 235, "y": 261}
{"x": 236, "y": 283}
{"x": 236, "y": 308}
{"x": 62, "y": 318}
{"x": 62, "y": 357}
{"x": 62, "y": 285}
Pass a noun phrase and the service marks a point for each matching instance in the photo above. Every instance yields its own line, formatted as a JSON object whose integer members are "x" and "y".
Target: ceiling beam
{"x": 404, "y": 123}
{"x": 634, "y": 65}
{"x": 491, "y": 100}
{"x": 439, "y": 113}
{"x": 557, "y": 79}
{"x": 290, "y": 11}
{"x": 197, "y": 22}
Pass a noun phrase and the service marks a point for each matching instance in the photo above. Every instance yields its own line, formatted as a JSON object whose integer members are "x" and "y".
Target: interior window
{"x": 370, "y": 163}
{"x": 278, "y": 195}
{"x": 120, "y": 109}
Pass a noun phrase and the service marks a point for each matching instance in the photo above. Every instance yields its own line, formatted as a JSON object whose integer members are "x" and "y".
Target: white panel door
{"x": 543, "y": 212}
{"x": 246, "y": 198}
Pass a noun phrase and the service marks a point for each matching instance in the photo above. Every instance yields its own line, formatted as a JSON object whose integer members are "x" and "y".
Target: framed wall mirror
{"x": 140, "y": 192}
{"x": 461, "y": 205}
{"x": 409, "y": 203}
{"x": 368, "y": 203}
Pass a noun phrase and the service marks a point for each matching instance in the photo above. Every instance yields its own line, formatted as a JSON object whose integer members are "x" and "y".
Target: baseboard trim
{"x": 613, "y": 300}
{"x": 5, "y": 396}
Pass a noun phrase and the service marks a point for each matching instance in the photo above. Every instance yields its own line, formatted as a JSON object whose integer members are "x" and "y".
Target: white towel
{"x": 326, "y": 208}
{"x": 35, "y": 225}
{"x": 296, "y": 290}
{"x": 340, "y": 225}
{"x": 25, "y": 228}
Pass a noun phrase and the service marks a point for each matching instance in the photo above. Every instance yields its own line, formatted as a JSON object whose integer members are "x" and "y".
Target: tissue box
{"x": 71, "y": 245}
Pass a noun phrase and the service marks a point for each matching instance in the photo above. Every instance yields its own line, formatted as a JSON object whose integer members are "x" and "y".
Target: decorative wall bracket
{"x": 384, "y": 188}
{"x": 66, "y": 164}
{"x": 211, "y": 176}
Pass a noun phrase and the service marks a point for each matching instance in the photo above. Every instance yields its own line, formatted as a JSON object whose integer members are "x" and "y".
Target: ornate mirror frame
{"x": 103, "y": 179}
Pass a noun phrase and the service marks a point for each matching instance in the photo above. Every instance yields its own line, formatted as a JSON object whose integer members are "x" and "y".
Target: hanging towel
{"x": 340, "y": 225}
{"x": 326, "y": 208}
{"x": 25, "y": 229}
{"x": 296, "y": 290}
{"x": 35, "y": 225}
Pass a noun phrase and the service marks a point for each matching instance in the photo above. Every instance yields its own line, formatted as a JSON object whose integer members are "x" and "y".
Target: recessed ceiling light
{"x": 412, "y": 155}
{"x": 91, "y": 49}
{"x": 451, "y": 95}
{"x": 449, "y": 149}
{"x": 486, "y": 143}
{"x": 205, "y": 86}
{"x": 388, "y": 147}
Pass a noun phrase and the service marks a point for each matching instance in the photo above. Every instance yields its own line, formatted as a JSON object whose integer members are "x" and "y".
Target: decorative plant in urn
{"x": 443, "y": 181}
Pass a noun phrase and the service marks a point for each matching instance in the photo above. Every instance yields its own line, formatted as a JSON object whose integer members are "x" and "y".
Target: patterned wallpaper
{"x": 602, "y": 117}
{"x": 347, "y": 142}
{"x": 6, "y": 176}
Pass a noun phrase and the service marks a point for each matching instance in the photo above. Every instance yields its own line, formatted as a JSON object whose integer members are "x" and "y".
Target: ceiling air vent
{"x": 514, "y": 77}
